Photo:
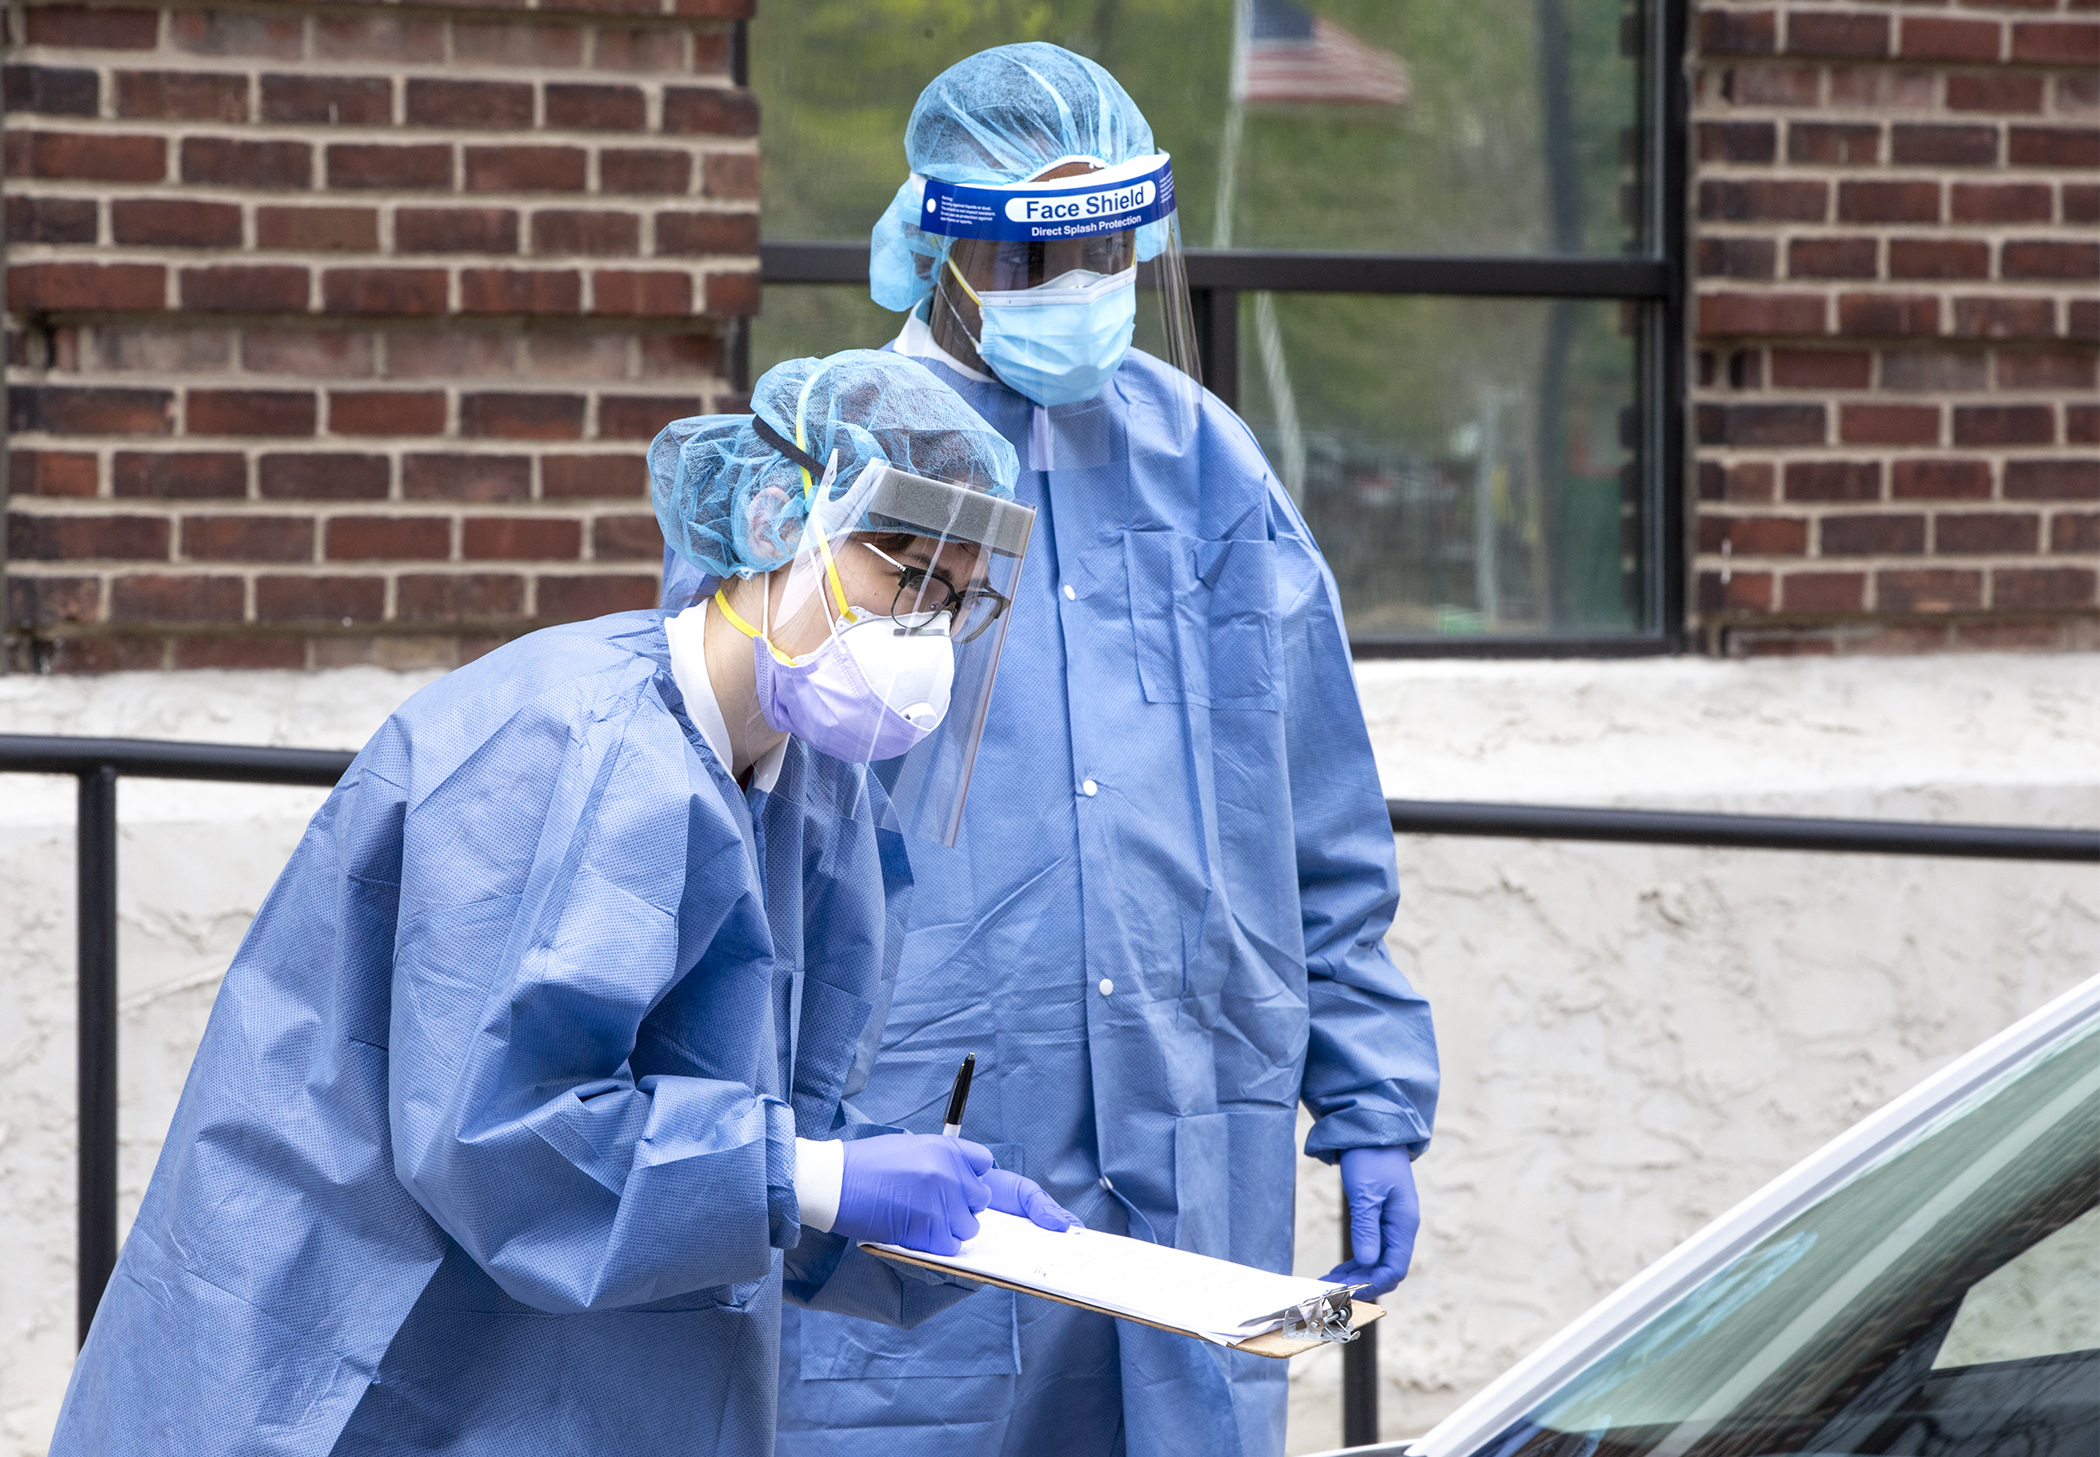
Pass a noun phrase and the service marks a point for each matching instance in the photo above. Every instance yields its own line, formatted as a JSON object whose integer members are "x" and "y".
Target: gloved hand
{"x": 1012, "y": 1194}
{"x": 1384, "y": 1214}
{"x": 918, "y": 1190}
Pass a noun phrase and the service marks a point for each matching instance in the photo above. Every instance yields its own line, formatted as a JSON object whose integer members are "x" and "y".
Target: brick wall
{"x": 1898, "y": 240}
{"x": 336, "y": 331}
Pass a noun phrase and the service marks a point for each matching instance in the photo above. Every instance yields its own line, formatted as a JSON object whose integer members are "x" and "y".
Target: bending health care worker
{"x": 1167, "y": 907}
{"x": 527, "y": 1096}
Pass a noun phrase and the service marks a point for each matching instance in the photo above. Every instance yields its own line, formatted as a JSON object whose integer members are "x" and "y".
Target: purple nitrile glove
{"x": 1383, "y": 1217}
{"x": 918, "y": 1190}
{"x": 1012, "y": 1194}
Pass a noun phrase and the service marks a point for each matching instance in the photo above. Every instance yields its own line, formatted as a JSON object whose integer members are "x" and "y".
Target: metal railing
{"x": 98, "y": 763}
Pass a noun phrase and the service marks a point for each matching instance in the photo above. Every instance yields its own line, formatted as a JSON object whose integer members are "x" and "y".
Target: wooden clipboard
{"x": 1273, "y": 1343}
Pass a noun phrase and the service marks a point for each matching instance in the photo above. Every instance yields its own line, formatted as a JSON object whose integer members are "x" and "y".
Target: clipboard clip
{"x": 1325, "y": 1318}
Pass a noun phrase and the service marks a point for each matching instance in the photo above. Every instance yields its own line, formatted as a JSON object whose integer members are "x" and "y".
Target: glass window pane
{"x": 1468, "y": 466}
{"x": 1515, "y": 134}
{"x": 798, "y": 320}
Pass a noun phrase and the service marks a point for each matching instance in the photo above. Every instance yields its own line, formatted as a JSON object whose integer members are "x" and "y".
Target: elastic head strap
{"x": 803, "y": 458}
{"x": 735, "y": 620}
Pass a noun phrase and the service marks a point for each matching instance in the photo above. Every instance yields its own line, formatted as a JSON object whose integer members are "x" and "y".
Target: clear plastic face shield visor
{"x": 1055, "y": 278}
{"x": 892, "y": 615}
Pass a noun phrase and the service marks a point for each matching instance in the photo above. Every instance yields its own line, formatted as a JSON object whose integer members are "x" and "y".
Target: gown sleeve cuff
{"x": 820, "y": 1175}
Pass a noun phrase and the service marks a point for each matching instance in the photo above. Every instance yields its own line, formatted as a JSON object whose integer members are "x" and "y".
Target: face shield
{"x": 1055, "y": 279}
{"x": 878, "y": 643}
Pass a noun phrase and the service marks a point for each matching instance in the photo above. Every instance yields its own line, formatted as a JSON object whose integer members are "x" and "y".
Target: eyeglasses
{"x": 922, "y": 599}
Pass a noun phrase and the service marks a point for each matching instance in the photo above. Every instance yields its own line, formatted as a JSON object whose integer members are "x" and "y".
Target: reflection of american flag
{"x": 1287, "y": 54}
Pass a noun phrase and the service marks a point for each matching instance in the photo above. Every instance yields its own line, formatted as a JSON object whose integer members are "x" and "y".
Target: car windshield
{"x": 1944, "y": 1302}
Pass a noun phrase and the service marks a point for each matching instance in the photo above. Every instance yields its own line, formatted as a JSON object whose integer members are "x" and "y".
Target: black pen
{"x": 952, "y": 1124}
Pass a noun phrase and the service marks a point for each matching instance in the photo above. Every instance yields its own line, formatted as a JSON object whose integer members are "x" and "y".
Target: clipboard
{"x": 1271, "y": 1343}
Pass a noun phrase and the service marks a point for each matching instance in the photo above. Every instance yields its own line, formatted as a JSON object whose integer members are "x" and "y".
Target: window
{"x": 1447, "y": 304}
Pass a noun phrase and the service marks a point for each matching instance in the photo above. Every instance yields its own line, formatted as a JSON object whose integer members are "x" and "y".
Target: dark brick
{"x": 185, "y": 476}
{"x": 389, "y": 538}
{"x": 50, "y": 473}
{"x": 318, "y": 229}
{"x": 1982, "y": 532}
{"x": 2055, "y": 146}
{"x": 1754, "y": 535}
{"x": 249, "y": 412}
{"x": 391, "y": 291}
{"x": 92, "y": 27}
{"x": 234, "y": 163}
{"x": 248, "y": 538}
{"x": 732, "y": 294}
{"x": 1832, "y": 258}
{"x": 599, "y": 234}
{"x": 641, "y": 293}
{"x": 1817, "y": 369}
{"x": 596, "y": 108}
{"x": 2004, "y": 425}
{"x": 245, "y": 289}
{"x": 1761, "y": 424}
{"x": 235, "y": 33}
{"x": 2005, "y": 318}
{"x": 644, "y": 170}
{"x": 710, "y": 111}
{"x": 731, "y": 174}
{"x": 1994, "y": 91}
{"x": 52, "y": 91}
{"x": 483, "y": 478}
{"x": 141, "y": 286}
{"x": 510, "y": 42}
{"x": 497, "y": 105}
{"x": 379, "y": 38}
{"x": 2052, "y": 480}
{"x": 96, "y": 410}
{"x": 86, "y": 538}
{"x": 640, "y": 49}
{"x": 1939, "y": 258}
{"x": 1940, "y": 479}
{"x": 182, "y": 95}
{"x": 1888, "y": 314}
{"x": 1737, "y": 141}
{"x": 2082, "y": 424}
{"x": 1939, "y": 370}
{"x": 1928, "y": 590}
{"x": 519, "y": 291}
{"x": 1833, "y": 480}
{"x": 641, "y": 417}
{"x": 508, "y": 416}
{"x": 455, "y": 230}
{"x": 198, "y": 650}
{"x": 2068, "y": 533}
{"x": 526, "y": 169}
{"x": 696, "y": 234}
{"x": 361, "y": 165}
{"x": 1889, "y": 424}
{"x": 2056, "y": 43}
{"x": 1738, "y": 32}
{"x": 386, "y": 412}
{"x": 638, "y": 538}
{"x": 163, "y": 598}
{"x": 49, "y": 601}
{"x": 175, "y": 223}
{"x": 571, "y": 599}
{"x": 1793, "y": 86}
{"x": 51, "y": 220}
{"x": 520, "y": 538}
{"x": 1889, "y": 202}
{"x": 2067, "y": 370}
{"x": 1843, "y": 37}
{"x": 2043, "y": 589}
{"x": 458, "y": 597}
{"x": 1736, "y": 257}
{"x": 86, "y": 157}
{"x": 2050, "y": 259}
{"x": 1873, "y": 534}
{"x": 2000, "y": 202}
{"x": 1827, "y": 144}
{"x": 328, "y": 100}
{"x": 1824, "y": 592}
{"x": 1736, "y": 592}
{"x": 2081, "y": 202}
{"x": 1930, "y": 38}
{"x": 1943, "y": 146}
{"x": 322, "y": 476}
{"x": 320, "y": 599}
{"x": 670, "y": 354}
{"x": 594, "y": 477}
{"x": 1760, "y": 199}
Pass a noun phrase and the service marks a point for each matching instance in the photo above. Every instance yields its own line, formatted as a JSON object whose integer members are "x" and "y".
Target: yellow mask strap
{"x": 809, "y": 491}
{"x": 965, "y": 284}
{"x": 736, "y": 621}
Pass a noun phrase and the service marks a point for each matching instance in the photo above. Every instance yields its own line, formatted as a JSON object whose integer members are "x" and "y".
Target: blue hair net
{"x": 733, "y": 505}
{"x": 1002, "y": 116}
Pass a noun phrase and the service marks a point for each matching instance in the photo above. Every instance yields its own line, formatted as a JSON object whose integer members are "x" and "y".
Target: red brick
{"x": 389, "y": 538}
{"x": 359, "y": 165}
{"x": 1754, "y": 535}
{"x": 1928, "y": 590}
{"x": 2055, "y": 146}
{"x": 2049, "y": 260}
{"x": 1761, "y": 424}
{"x": 1999, "y": 91}
{"x": 50, "y": 473}
{"x": 600, "y": 234}
{"x": 320, "y": 599}
{"x": 1824, "y": 592}
{"x": 639, "y": 293}
{"x": 1736, "y": 257}
{"x": 328, "y": 100}
{"x": 1984, "y": 532}
{"x": 641, "y": 417}
{"x": 596, "y": 108}
{"x": 520, "y": 538}
{"x": 2052, "y": 480}
{"x": 248, "y": 538}
{"x": 711, "y": 54}
{"x": 1888, "y": 314}
{"x": 1943, "y": 146}
{"x": 1761, "y": 313}
{"x": 570, "y": 599}
{"x": 711, "y": 111}
{"x": 2055, "y": 43}
{"x": 1832, "y": 258}
{"x": 694, "y": 234}
{"x": 2072, "y": 533}
{"x": 1939, "y": 370}
{"x": 52, "y": 91}
{"x": 2004, "y": 425}
{"x": 386, "y": 412}
{"x": 1737, "y": 141}
{"x": 1771, "y": 85}
{"x": 98, "y": 410}
{"x": 519, "y": 291}
{"x": 634, "y": 538}
{"x": 318, "y": 229}
{"x": 90, "y": 27}
{"x": 245, "y": 290}
{"x": 1873, "y": 534}
{"x": 714, "y": 9}
{"x": 2082, "y": 424}
{"x": 391, "y": 291}
{"x": 1842, "y": 369}
{"x": 644, "y": 170}
{"x": 640, "y": 49}
{"x": 308, "y": 353}
{"x": 484, "y": 478}
{"x": 670, "y": 354}
{"x": 526, "y": 169}
{"x": 88, "y": 157}
{"x": 322, "y": 476}
{"x": 450, "y": 597}
{"x": 2043, "y": 589}
{"x": 1738, "y": 33}
{"x": 2055, "y": 370}
{"x": 247, "y": 164}
{"x": 508, "y": 416}
{"x": 198, "y": 650}
{"x": 731, "y": 174}
{"x": 1738, "y": 592}
{"x": 1883, "y": 88}
{"x": 1889, "y": 202}
{"x": 51, "y": 220}
{"x": 1940, "y": 479}
{"x": 732, "y": 294}
{"x": 185, "y": 476}
{"x": 2079, "y": 91}
{"x": 500, "y": 105}
{"x": 593, "y": 477}
{"x": 234, "y": 33}
{"x": 1889, "y": 424}
{"x": 182, "y": 96}
{"x": 162, "y": 598}
{"x": 1760, "y": 199}
{"x": 175, "y": 223}
{"x": 249, "y": 412}
{"x": 455, "y": 230}
{"x": 1999, "y": 202}
{"x": 1939, "y": 258}
{"x": 115, "y": 653}
{"x": 2083, "y": 319}
{"x": 1935, "y": 39}
{"x": 378, "y": 38}
{"x": 48, "y": 601}
{"x": 511, "y": 43}
{"x": 1845, "y": 37}
{"x": 2081, "y": 202}
{"x": 2005, "y": 318}
{"x": 87, "y": 286}
{"x": 86, "y": 538}
{"x": 1844, "y": 146}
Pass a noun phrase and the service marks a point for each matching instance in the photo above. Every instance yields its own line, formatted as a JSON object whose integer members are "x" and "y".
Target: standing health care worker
{"x": 1163, "y": 925}
{"x": 525, "y": 1092}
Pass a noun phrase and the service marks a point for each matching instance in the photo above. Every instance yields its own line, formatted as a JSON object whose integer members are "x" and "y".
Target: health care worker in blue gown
{"x": 1162, "y": 926}
{"x": 529, "y": 1089}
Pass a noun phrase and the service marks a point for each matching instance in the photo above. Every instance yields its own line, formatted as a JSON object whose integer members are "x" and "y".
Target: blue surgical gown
{"x": 1162, "y": 927}
{"x": 488, "y": 1147}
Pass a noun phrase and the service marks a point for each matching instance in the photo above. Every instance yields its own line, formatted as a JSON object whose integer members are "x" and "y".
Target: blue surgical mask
{"x": 1059, "y": 342}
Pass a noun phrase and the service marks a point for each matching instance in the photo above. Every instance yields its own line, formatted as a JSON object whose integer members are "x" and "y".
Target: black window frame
{"x": 1653, "y": 282}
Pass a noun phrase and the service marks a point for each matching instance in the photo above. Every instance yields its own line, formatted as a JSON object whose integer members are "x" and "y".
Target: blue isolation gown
{"x": 489, "y": 1144}
{"x": 1161, "y": 928}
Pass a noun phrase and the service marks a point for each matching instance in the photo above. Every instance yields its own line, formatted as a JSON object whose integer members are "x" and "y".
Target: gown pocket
{"x": 1205, "y": 621}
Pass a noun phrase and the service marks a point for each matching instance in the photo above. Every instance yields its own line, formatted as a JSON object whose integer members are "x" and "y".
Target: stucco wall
{"x": 1633, "y": 1038}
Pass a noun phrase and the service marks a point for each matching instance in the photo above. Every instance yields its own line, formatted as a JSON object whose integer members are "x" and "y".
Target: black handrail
{"x": 99, "y": 762}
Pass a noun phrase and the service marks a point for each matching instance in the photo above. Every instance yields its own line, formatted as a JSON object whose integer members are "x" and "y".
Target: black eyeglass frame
{"x": 961, "y": 603}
